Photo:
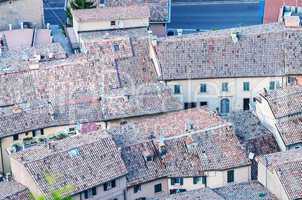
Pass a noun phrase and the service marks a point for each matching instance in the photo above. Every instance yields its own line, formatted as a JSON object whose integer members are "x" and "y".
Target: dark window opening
{"x": 230, "y": 176}
{"x": 157, "y": 188}
{"x": 190, "y": 105}
{"x": 137, "y": 188}
{"x": 203, "y": 103}
{"x": 246, "y": 104}
{"x": 176, "y": 89}
{"x": 16, "y": 137}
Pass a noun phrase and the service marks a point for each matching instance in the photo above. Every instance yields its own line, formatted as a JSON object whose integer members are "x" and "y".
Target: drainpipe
{"x": 266, "y": 165}
{"x": 2, "y": 163}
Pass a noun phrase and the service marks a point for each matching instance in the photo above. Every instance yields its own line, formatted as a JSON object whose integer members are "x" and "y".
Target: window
{"x": 74, "y": 152}
{"x": 112, "y": 23}
{"x": 246, "y": 86}
{"x": 291, "y": 80}
{"x": 203, "y": 88}
{"x": 278, "y": 85}
{"x": 197, "y": 180}
{"x": 94, "y": 191}
{"x": 86, "y": 194}
{"x": 90, "y": 192}
{"x": 176, "y": 89}
{"x": 230, "y": 176}
{"x": 16, "y": 137}
{"x": 137, "y": 188}
{"x": 102, "y": 1}
{"x": 272, "y": 85}
{"x": 190, "y": 105}
{"x": 109, "y": 185}
{"x": 34, "y": 133}
{"x": 225, "y": 87}
{"x": 116, "y": 47}
{"x": 42, "y": 131}
{"x": 174, "y": 191}
{"x": 203, "y": 103}
{"x": 177, "y": 180}
{"x": 200, "y": 180}
{"x": 225, "y": 106}
{"x": 157, "y": 188}
{"x": 246, "y": 104}
{"x": 204, "y": 180}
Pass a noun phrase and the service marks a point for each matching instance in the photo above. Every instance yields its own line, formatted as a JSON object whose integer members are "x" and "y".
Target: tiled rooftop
{"x": 11, "y": 190}
{"x": 286, "y": 107}
{"x": 286, "y": 101}
{"x": 262, "y": 50}
{"x": 82, "y": 89}
{"x": 252, "y": 134}
{"x": 184, "y": 156}
{"x": 100, "y": 35}
{"x": 193, "y": 144}
{"x": 14, "y": 61}
{"x": 159, "y": 9}
{"x": 129, "y": 57}
{"x": 165, "y": 125}
{"x": 90, "y": 159}
{"x": 112, "y": 13}
{"x": 288, "y": 167}
{"x": 245, "y": 191}
{"x": 144, "y": 100}
{"x": 201, "y": 194}
{"x": 291, "y": 130}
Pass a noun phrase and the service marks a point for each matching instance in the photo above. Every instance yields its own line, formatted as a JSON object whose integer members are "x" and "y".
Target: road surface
{"x": 208, "y": 16}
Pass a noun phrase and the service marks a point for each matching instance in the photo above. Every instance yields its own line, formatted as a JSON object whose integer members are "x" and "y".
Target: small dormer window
{"x": 112, "y": 23}
{"x": 149, "y": 158}
{"x": 74, "y": 152}
{"x": 116, "y": 47}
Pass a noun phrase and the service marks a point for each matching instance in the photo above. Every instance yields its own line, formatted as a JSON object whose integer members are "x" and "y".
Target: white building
{"x": 280, "y": 112}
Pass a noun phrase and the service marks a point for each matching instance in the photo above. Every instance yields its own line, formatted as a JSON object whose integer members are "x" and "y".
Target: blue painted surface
{"x": 214, "y": 16}
{"x": 261, "y": 9}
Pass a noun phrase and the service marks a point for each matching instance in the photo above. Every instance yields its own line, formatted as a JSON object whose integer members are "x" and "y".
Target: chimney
{"x": 179, "y": 32}
{"x": 235, "y": 37}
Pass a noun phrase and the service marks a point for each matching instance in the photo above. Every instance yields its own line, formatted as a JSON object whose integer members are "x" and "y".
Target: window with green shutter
{"x": 246, "y": 86}
{"x": 230, "y": 176}
{"x": 157, "y": 188}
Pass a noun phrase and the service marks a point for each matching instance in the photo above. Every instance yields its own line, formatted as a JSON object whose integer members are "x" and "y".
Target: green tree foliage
{"x": 78, "y": 4}
{"x": 81, "y": 4}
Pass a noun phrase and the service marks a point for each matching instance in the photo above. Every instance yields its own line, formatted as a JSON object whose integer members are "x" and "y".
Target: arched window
{"x": 225, "y": 106}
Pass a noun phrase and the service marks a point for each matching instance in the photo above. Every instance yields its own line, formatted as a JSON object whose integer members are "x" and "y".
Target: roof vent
{"x": 235, "y": 37}
{"x": 189, "y": 126}
{"x": 16, "y": 109}
{"x": 179, "y": 32}
{"x": 148, "y": 156}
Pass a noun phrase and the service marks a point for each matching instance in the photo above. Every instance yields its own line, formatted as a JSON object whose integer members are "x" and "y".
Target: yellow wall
{"x": 190, "y": 90}
{"x": 269, "y": 179}
{"x": 147, "y": 190}
{"x": 267, "y": 118}
{"x": 8, "y": 141}
{"x": 105, "y": 25}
